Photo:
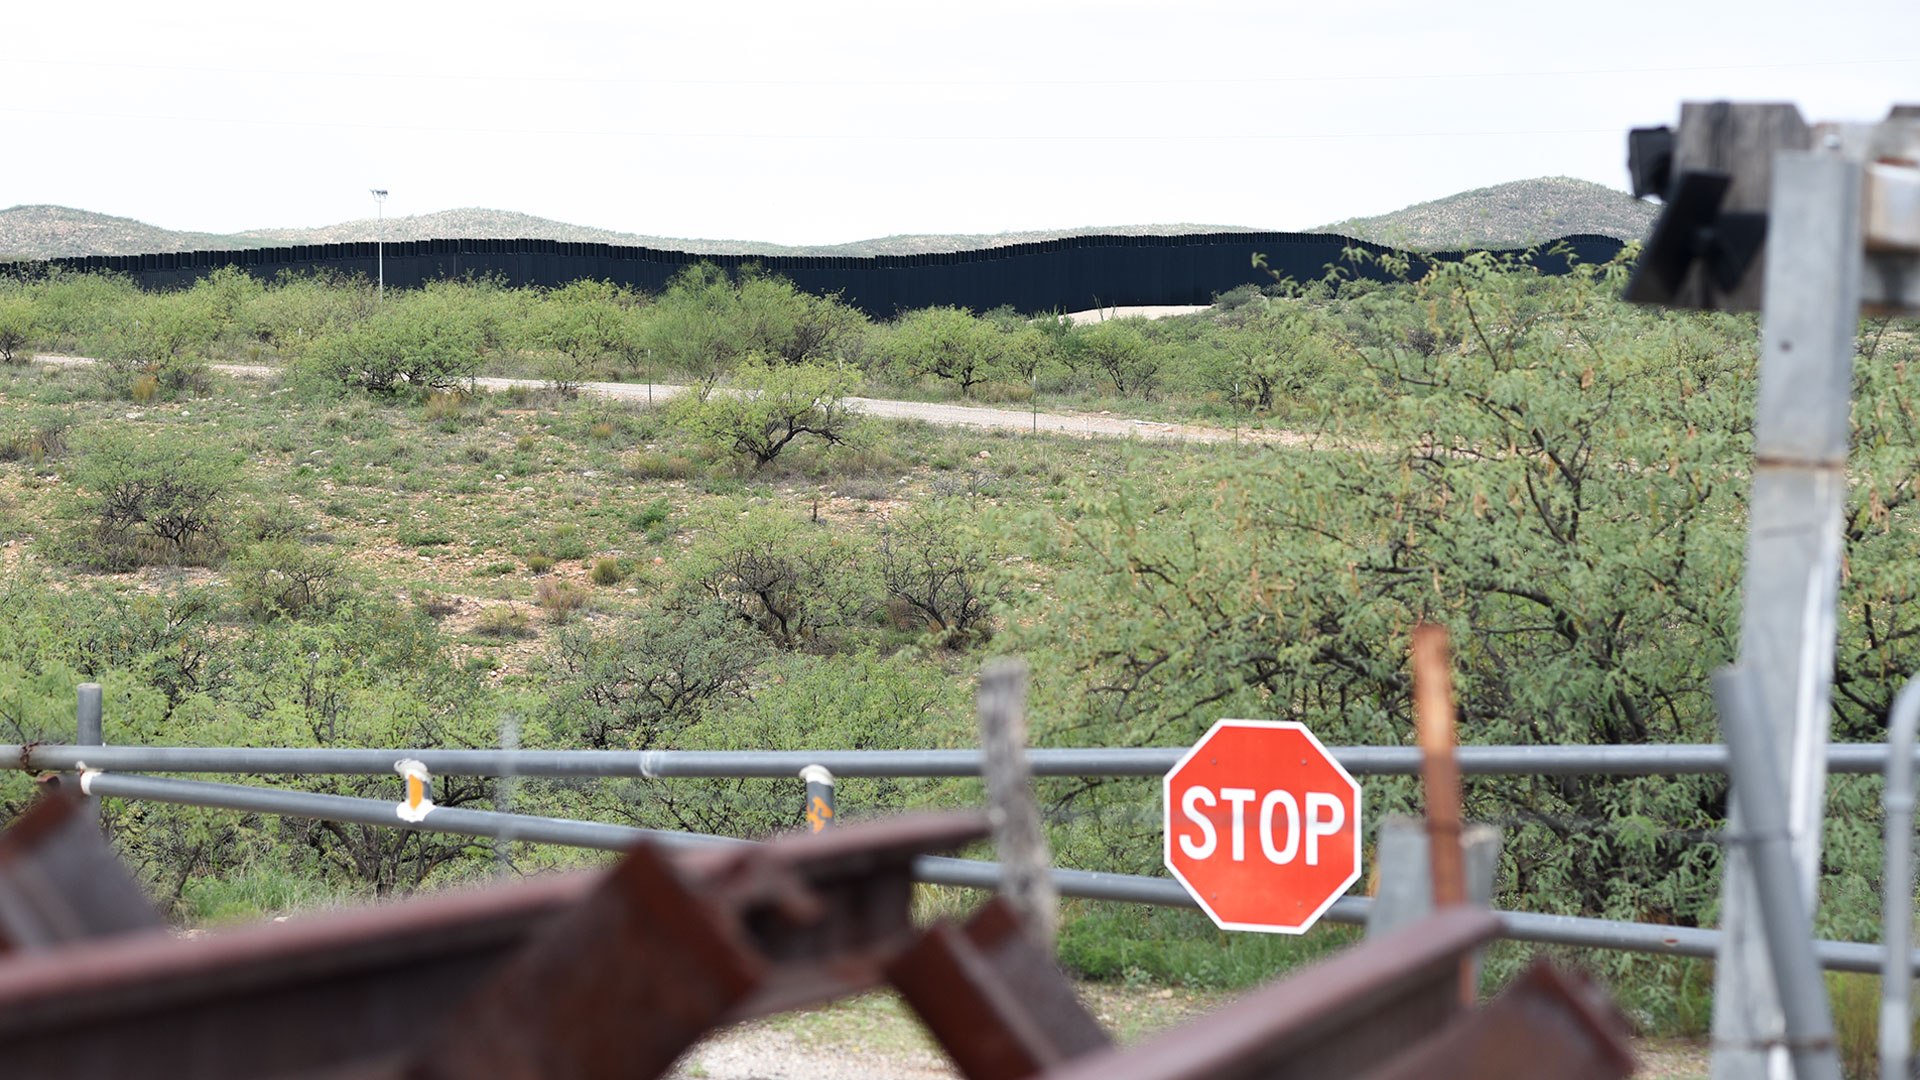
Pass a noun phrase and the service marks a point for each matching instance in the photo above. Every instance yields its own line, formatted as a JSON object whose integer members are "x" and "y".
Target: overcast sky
{"x": 799, "y": 122}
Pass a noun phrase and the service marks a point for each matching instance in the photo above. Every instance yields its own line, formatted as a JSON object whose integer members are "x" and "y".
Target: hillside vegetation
{"x": 54, "y": 232}
{"x": 1507, "y": 215}
{"x": 363, "y": 551}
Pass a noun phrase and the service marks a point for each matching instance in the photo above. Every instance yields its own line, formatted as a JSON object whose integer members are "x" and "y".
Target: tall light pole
{"x": 380, "y": 242}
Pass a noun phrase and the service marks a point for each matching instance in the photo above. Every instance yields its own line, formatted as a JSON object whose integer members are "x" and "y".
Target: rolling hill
{"x": 1506, "y": 215}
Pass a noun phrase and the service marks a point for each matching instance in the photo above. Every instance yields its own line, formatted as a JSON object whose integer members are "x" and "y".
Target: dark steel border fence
{"x": 1070, "y": 274}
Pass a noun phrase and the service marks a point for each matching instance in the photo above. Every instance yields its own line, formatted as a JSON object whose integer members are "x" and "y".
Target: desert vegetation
{"x": 360, "y": 548}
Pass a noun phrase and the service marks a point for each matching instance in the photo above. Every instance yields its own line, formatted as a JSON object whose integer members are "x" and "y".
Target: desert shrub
{"x": 1273, "y": 353}
{"x": 559, "y": 598}
{"x": 582, "y": 327}
{"x": 297, "y": 310}
{"x": 947, "y": 343}
{"x": 858, "y": 700}
{"x": 162, "y": 337}
{"x": 706, "y": 323}
{"x": 73, "y": 309}
{"x": 503, "y": 621}
{"x": 539, "y": 564}
{"x": 638, "y": 686}
{"x": 768, "y": 407}
{"x": 272, "y": 520}
{"x": 566, "y": 542}
{"x": 425, "y": 339}
{"x": 143, "y": 500}
{"x": 657, "y": 465}
{"x": 228, "y": 296}
{"x": 287, "y": 579}
{"x": 1118, "y": 351}
{"x": 19, "y": 322}
{"x": 794, "y": 581}
{"x": 37, "y": 437}
{"x": 435, "y": 605}
{"x": 931, "y": 561}
{"x": 607, "y": 572}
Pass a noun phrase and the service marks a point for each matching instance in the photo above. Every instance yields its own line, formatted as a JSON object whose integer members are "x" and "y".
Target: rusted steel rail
{"x": 60, "y": 883}
{"x": 615, "y": 975}
{"x": 1340, "y": 1018}
{"x": 814, "y": 917}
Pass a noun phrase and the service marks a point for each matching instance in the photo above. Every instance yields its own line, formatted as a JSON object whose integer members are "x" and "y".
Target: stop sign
{"x": 1262, "y": 826}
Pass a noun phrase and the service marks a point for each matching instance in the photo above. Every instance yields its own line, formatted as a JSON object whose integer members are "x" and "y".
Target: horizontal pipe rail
{"x": 935, "y": 870}
{"x": 1667, "y": 759}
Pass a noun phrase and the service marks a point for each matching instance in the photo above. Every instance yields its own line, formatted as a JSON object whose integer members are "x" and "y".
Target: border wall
{"x": 1070, "y": 274}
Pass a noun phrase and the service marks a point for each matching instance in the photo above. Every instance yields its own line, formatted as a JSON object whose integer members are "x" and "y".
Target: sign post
{"x": 1262, "y": 826}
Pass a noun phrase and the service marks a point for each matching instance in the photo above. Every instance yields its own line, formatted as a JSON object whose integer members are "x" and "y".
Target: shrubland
{"x": 402, "y": 560}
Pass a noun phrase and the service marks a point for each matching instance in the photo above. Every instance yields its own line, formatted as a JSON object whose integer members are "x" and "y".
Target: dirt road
{"x": 1086, "y": 425}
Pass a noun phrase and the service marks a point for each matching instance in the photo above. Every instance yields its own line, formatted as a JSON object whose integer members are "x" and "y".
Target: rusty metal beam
{"x": 1545, "y": 1024}
{"x": 818, "y": 915}
{"x": 994, "y": 999}
{"x": 1337, "y": 1019}
{"x": 60, "y": 883}
{"x": 664, "y": 951}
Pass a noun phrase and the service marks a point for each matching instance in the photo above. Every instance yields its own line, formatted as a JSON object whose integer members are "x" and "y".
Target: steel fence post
{"x": 1811, "y": 314}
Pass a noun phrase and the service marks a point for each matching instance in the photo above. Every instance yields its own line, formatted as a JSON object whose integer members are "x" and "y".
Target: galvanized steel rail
{"x": 1663, "y": 759}
{"x": 933, "y": 870}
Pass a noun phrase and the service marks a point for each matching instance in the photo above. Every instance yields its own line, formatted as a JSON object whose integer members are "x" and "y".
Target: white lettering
{"x": 1239, "y": 797}
{"x": 1317, "y": 826}
{"x": 1205, "y": 847}
{"x": 1281, "y": 856}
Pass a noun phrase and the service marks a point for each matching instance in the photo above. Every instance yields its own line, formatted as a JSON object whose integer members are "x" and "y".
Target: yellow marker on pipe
{"x": 419, "y": 800}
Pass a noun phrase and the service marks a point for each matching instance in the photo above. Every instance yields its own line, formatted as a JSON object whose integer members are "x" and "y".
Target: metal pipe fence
{"x": 1564, "y": 930}
{"x": 1670, "y": 759}
{"x": 104, "y": 772}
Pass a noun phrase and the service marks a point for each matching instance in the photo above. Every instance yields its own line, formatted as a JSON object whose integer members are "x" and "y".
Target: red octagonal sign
{"x": 1262, "y": 826}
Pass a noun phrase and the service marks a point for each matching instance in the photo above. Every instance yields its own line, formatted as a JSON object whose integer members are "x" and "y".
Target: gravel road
{"x": 1087, "y": 425}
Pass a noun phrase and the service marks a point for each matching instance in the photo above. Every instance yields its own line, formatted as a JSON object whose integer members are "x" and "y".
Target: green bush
{"x": 1118, "y": 351}
{"x": 947, "y": 343}
{"x": 638, "y": 686}
{"x": 608, "y": 572}
{"x": 425, "y": 340}
{"x": 706, "y": 324}
{"x": 159, "y": 341}
{"x": 584, "y": 326}
{"x": 934, "y": 563}
{"x": 18, "y": 326}
{"x": 767, "y": 407}
{"x": 143, "y": 500}
{"x": 289, "y": 579}
{"x": 798, "y": 583}
{"x": 37, "y": 438}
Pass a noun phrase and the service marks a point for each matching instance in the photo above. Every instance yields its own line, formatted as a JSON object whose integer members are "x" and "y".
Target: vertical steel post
{"x": 820, "y": 806}
{"x": 88, "y": 716}
{"x": 1787, "y": 624}
{"x": 503, "y": 792}
{"x": 1896, "y": 886}
{"x": 1785, "y": 916}
{"x": 1027, "y": 875}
